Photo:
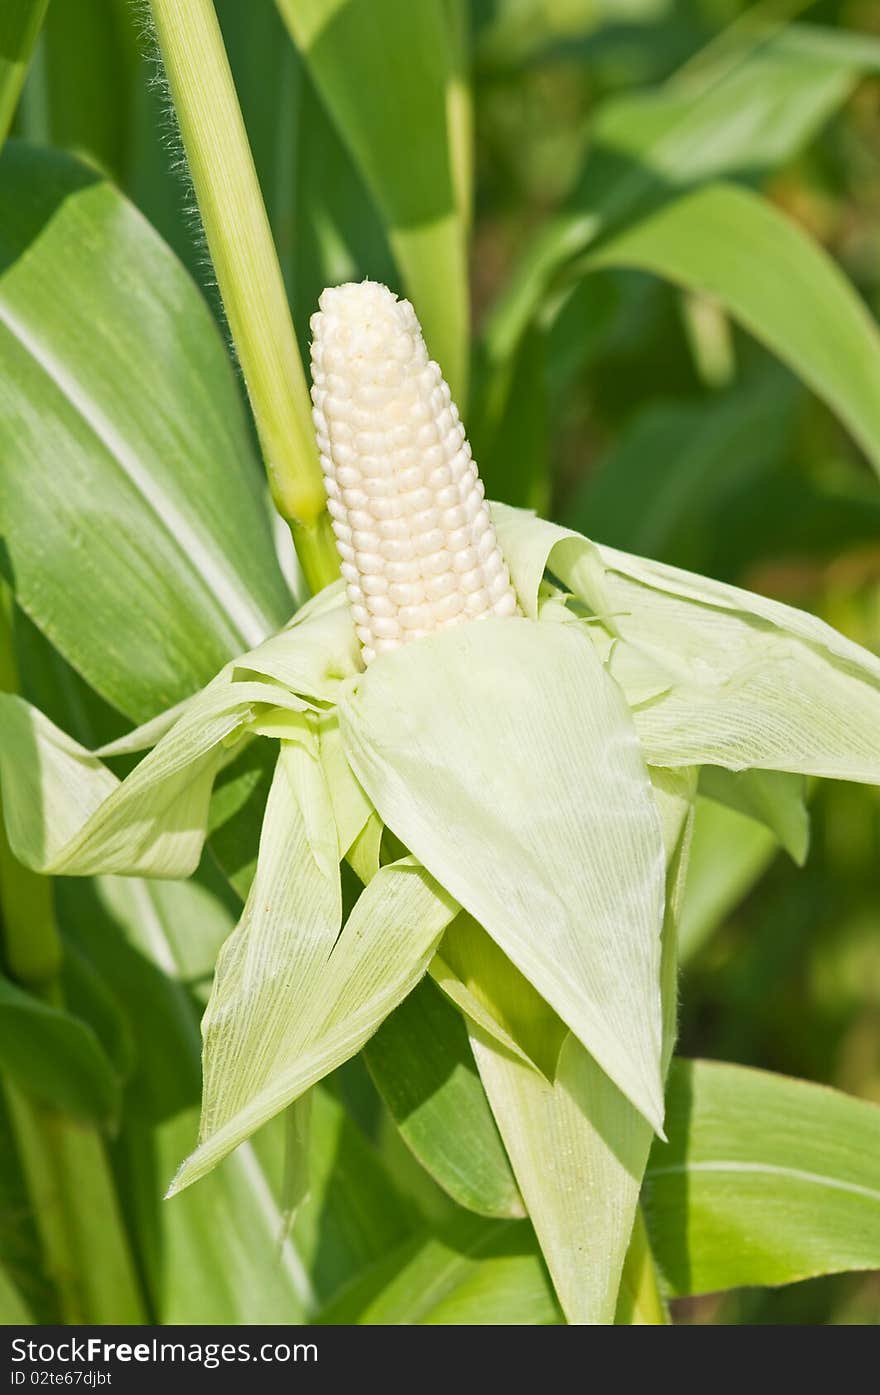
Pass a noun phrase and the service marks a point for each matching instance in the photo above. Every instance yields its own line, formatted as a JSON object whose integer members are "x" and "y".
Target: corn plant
{"x": 417, "y": 793}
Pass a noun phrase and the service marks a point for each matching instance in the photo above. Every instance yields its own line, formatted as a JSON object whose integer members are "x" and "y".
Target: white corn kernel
{"x": 413, "y": 530}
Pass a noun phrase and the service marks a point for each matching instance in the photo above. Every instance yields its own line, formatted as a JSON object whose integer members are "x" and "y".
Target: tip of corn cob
{"x": 417, "y": 546}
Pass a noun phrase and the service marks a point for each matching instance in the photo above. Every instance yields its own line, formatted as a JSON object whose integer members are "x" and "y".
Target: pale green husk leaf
{"x": 715, "y": 675}
{"x": 506, "y": 761}
{"x": 289, "y": 1005}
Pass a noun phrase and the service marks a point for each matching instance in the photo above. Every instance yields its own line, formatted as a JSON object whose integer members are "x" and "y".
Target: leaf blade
{"x": 765, "y": 1180}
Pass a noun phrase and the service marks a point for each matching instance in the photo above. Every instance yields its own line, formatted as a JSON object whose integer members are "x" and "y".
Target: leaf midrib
{"x": 729, "y": 1166}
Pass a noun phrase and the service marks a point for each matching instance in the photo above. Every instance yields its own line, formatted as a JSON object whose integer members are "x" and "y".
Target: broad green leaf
{"x": 475, "y": 1272}
{"x": 736, "y": 247}
{"x": 341, "y": 994}
{"x": 383, "y": 71}
{"x": 504, "y": 758}
{"x": 110, "y": 364}
{"x": 729, "y": 853}
{"x": 749, "y": 110}
{"x": 765, "y": 1180}
{"x": 56, "y": 1058}
{"x": 19, "y": 26}
{"x": 513, "y": 452}
{"x": 422, "y": 1065}
{"x": 150, "y": 941}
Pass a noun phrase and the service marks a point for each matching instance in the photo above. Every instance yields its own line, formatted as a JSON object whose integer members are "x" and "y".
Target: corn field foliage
{"x": 487, "y": 934}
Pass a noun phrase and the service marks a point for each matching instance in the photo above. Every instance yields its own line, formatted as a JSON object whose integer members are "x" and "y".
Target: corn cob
{"x": 416, "y": 542}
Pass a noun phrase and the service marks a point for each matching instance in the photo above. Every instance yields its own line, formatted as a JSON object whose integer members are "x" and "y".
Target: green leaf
{"x": 56, "y": 1058}
{"x": 88, "y": 996}
{"x": 110, "y": 363}
{"x": 236, "y": 813}
{"x": 513, "y": 452}
{"x": 504, "y": 758}
{"x": 23, "y": 1259}
{"x": 131, "y": 932}
{"x": 736, "y": 247}
{"x": 19, "y": 26}
{"x": 383, "y": 71}
{"x": 422, "y": 1065}
{"x": 765, "y": 1180}
{"x": 474, "y": 1272}
{"x": 747, "y": 111}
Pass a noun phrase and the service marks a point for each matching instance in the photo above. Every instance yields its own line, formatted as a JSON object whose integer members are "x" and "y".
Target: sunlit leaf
{"x": 765, "y": 1180}
{"x": 126, "y": 482}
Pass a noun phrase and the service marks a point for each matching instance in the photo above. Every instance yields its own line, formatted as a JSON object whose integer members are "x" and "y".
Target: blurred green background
{"x": 651, "y": 422}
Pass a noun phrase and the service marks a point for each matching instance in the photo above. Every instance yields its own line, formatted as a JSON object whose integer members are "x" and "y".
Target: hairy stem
{"x": 248, "y": 274}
